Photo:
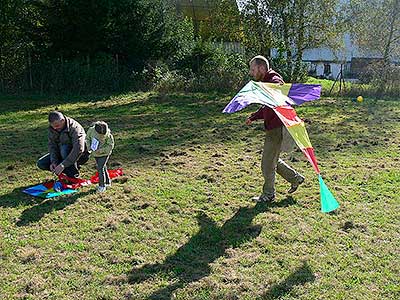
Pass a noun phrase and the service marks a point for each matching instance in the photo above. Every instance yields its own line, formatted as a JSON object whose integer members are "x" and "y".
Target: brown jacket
{"x": 73, "y": 134}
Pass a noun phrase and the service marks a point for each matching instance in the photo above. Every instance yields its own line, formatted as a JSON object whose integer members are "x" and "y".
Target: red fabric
{"x": 76, "y": 183}
{"x": 309, "y": 153}
{"x": 72, "y": 183}
{"x": 288, "y": 114}
{"x": 111, "y": 173}
{"x": 271, "y": 120}
{"x": 49, "y": 184}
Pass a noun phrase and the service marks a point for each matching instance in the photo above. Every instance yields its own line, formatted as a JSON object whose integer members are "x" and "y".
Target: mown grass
{"x": 180, "y": 224}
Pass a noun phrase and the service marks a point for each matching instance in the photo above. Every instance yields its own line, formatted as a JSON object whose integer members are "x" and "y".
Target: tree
{"x": 74, "y": 28}
{"x": 257, "y": 27}
{"x": 375, "y": 26}
{"x": 224, "y": 23}
{"x": 16, "y": 44}
{"x": 140, "y": 30}
{"x": 292, "y": 26}
{"x": 54, "y": 43}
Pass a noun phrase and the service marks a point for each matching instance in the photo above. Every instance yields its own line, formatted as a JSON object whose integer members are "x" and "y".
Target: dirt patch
{"x": 206, "y": 177}
{"x": 121, "y": 179}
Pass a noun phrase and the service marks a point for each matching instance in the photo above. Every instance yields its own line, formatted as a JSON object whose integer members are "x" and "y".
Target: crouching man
{"x": 67, "y": 150}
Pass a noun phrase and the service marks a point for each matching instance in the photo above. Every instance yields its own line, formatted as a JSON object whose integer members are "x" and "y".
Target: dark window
{"x": 327, "y": 69}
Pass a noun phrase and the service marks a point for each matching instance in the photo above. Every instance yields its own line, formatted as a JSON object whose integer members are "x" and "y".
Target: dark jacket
{"x": 73, "y": 134}
{"x": 271, "y": 120}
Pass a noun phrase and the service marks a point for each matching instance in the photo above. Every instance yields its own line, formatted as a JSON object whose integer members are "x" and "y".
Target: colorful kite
{"x": 280, "y": 98}
{"x": 65, "y": 185}
{"x": 46, "y": 190}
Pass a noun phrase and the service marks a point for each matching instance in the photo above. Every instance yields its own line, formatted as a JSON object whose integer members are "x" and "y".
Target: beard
{"x": 258, "y": 77}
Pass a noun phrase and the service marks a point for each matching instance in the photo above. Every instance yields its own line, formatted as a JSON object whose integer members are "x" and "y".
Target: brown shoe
{"x": 295, "y": 185}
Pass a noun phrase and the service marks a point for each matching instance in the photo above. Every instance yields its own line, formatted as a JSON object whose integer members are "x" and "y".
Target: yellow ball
{"x": 360, "y": 99}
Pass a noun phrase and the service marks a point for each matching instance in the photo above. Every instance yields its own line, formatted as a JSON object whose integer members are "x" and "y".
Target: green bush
{"x": 382, "y": 80}
{"x": 158, "y": 76}
{"x": 213, "y": 68}
{"x": 206, "y": 68}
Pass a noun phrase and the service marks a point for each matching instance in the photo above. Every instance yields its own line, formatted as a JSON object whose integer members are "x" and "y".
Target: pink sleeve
{"x": 277, "y": 79}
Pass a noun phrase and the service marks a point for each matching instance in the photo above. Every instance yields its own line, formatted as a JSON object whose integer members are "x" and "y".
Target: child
{"x": 100, "y": 141}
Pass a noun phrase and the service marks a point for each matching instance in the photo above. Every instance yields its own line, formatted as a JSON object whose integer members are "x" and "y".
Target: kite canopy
{"x": 68, "y": 185}
{"x": 272, "y": 95}
{"x": 46, "y": 190}
{"x": 280, "y": 98}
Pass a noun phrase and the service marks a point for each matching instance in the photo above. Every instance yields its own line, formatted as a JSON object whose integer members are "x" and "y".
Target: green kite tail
{"x": 328, "y": 201}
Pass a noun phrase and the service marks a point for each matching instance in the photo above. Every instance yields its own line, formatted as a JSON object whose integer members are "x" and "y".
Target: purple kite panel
{"x": 301, "y": 93}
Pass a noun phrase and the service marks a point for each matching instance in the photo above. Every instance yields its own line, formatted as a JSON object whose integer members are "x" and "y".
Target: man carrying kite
{"x": 271, "y": 163}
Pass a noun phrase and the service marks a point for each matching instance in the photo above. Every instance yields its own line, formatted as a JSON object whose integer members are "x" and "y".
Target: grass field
{"x": 180, "y": 223}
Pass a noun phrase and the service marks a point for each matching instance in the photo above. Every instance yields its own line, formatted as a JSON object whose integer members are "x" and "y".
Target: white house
{"x": 327, "y": 63}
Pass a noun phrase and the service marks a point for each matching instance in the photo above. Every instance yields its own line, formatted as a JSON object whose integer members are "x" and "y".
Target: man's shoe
{"x": 295, "y": 185}
{"x": 264, "y": 198}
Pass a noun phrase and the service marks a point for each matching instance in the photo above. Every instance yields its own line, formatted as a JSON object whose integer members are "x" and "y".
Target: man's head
{"x": 101, "y": 127}
{"x": 259, "y": 66}
{"x": 57, "y": 120}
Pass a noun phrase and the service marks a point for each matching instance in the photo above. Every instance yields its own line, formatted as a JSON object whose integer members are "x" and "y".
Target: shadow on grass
{"x": 16, "y": 198}
{"x": 300, "y": 276}
{"x": 38, "y": 211}
{"x": 143, "y": 128}
{"x": 147, "y": 126}
{"x": 160, "y": 123}
{"x": 191, "y": 261}
{"x": 15, "y": 103}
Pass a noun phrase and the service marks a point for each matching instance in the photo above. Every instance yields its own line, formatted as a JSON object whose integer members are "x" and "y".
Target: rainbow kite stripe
{"x": 280, "y": 98}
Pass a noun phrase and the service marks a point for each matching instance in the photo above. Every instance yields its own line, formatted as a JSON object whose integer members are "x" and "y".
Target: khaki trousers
{"x": 272, "y": 164}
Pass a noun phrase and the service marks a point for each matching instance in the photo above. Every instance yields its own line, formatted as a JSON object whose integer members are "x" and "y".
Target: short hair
{"x": 101, "y": 127}
{"x": 55, "y": 116}
{"x": 260, "y": 60}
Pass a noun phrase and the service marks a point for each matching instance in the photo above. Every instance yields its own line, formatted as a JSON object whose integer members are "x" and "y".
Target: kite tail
{"x": 328, "y": 201}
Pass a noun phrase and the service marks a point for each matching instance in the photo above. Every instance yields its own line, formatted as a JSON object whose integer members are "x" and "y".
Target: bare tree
{"x": 375, "y": 26}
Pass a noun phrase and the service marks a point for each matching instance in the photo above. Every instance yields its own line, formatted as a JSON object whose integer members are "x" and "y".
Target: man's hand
{"x": 248, "y": 121}
{"x": 53, "y": 166}
{"x": 59, "y": 169}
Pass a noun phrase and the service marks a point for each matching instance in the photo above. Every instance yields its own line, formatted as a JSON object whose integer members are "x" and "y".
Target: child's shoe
{"x": 101, "y": 189}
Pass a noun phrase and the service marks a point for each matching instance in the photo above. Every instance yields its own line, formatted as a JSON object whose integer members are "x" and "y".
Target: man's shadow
{"x": 191, "y": 261}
